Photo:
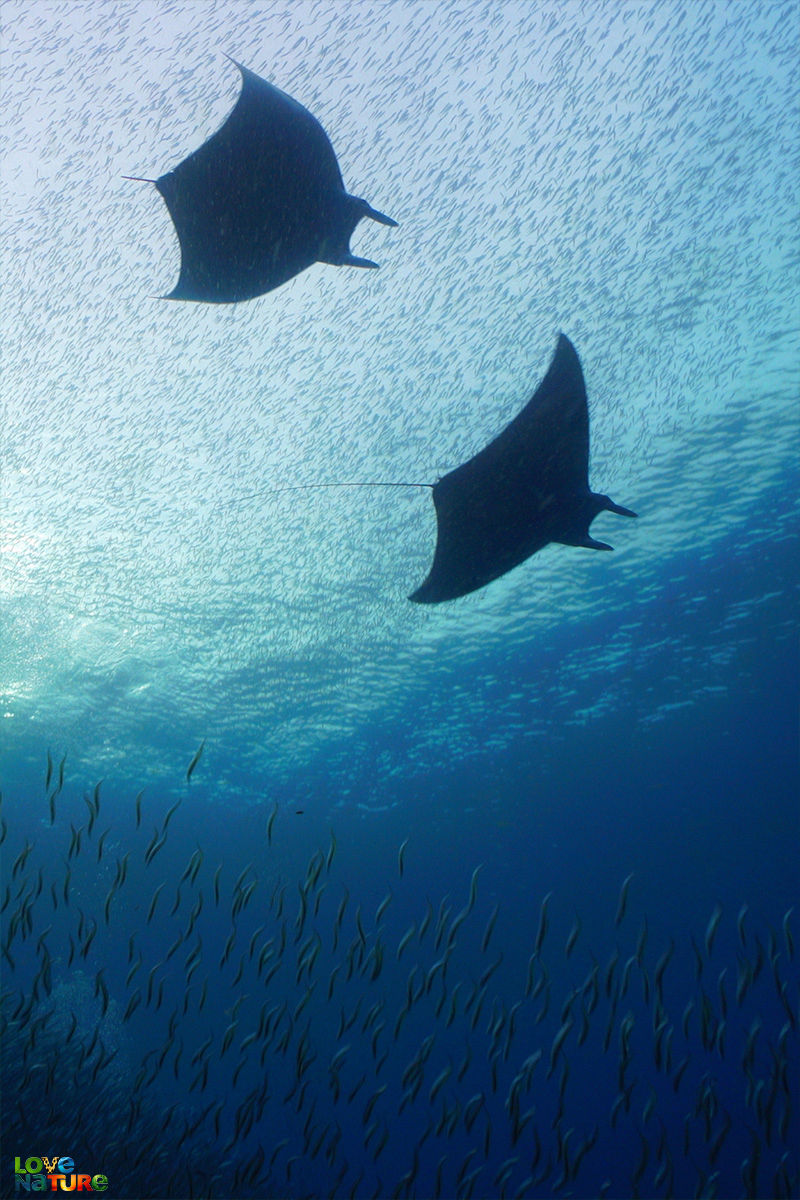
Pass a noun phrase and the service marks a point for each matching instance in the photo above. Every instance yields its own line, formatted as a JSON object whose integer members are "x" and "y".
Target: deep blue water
{"x": 700, "y": 808}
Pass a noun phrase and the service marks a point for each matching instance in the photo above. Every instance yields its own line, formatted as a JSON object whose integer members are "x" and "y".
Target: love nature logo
{"x": 54, "y": 1174}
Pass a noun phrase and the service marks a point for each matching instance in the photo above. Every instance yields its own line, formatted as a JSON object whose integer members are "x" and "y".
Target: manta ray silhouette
{"x": 260, "y": 201}
{"x": 528, "y": 487}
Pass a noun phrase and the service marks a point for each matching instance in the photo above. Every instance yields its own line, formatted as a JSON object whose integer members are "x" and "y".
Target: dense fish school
{"x": 231, "y": 1031}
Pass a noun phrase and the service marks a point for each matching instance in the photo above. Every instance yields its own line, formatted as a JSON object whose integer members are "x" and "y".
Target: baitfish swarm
{"x": 195, "y": 1027}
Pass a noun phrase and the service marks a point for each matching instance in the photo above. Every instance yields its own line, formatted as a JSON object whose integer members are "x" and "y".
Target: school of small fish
{"x": 218, "y": 1029}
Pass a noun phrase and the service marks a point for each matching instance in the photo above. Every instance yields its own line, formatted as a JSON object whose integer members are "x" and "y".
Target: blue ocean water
{"x": 495, "y": 898}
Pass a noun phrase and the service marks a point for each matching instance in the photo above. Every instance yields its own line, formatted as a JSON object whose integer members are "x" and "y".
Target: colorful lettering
{"x": 60, "y": 1176}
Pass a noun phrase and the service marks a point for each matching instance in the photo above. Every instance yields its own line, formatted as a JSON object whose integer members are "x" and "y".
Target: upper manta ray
{"x": 260, "y": 201}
